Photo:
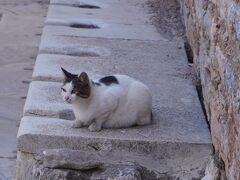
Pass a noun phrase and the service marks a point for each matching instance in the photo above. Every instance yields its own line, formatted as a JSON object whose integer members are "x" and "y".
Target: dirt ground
{"x": 21, "y": 23}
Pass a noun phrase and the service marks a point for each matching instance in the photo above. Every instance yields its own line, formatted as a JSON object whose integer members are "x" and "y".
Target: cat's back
{"x": 127, "y": 82}
{"x": 116, "y": 80}
{"x": 122, "y": 84}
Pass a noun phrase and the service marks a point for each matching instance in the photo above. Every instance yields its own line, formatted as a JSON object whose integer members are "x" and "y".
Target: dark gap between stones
{"x": 86, "y": 6}
{"x": 201, "y": 99}
{"x": 28, "y": 68}
{"x": 26, "y": 81}
{"x": 84, "y": 26}
{"x": 189, "y": 52}
{"x": 76, "y": 54}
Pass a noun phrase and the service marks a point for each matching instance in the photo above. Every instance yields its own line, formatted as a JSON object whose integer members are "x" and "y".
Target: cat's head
{"x": 75, "y": 87}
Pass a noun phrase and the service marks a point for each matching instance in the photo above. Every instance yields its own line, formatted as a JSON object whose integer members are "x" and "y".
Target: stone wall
{"x": 213, "y": 31}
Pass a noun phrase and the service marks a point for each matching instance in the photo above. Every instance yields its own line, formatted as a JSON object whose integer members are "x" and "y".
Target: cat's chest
{"x": 80, "y": 111}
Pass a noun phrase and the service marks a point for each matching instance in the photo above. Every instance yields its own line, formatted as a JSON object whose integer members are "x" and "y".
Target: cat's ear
{"x": 83, "y": 78}
{"x": 67, "y": 75}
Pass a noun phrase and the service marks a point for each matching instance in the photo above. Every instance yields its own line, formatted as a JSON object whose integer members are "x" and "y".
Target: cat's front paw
{"x": 77, "y": 124}
{"x": 94, "y": 127}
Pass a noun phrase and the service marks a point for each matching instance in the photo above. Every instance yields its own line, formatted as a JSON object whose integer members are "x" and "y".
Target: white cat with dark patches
{"x": 117, "y": 101}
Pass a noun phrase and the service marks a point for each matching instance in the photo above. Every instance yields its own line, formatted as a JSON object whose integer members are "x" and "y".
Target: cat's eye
{"x": 64, "y": 90}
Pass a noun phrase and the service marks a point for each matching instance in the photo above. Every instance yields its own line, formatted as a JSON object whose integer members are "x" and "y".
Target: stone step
{"x": 182, "y": 123}
{"x": 107, "y": 56}
{"x": 44, "y": 99}
{"x": 106, "y": 22}
{"x": 108, "y": 12}
{"x": 158, "y": 148}
{"x": 58, "y": 27}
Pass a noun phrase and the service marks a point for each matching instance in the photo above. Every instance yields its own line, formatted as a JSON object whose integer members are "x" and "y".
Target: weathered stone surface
{"x": 155, "y": 147}
{"x": 125, "y": 59}
{"x": 99, "y": 166}
{"x": 44, "y": 99}
{"x": 167, "y": 124}
{"x": 109, "y": 12}
{"x": 213, "y": 31}
{"x": 60, "y": 27}
{"x": 111, "y": 171}
{"x": 127, "y": 171}
{"x": 34, "y": 167}
{"x": 165, "y": 15}
{"x": 176, "y": 145}
{"x": 71, "y": 159}
{"x": 134, "y": 25}
{"x": 111, "y": 56}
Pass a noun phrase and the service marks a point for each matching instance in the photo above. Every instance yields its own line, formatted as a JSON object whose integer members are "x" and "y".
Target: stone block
{"x": 58, "y": 27}
{"x": 70, "y": 159}
{"x": 108, "y": 12}
{"x": 44, "y": 99}
{"x": 101, "y": 56}
{"x": 155, "y": 147}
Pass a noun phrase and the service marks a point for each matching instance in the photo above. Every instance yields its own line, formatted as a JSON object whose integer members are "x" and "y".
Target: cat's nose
{"x": 67, "y": 98}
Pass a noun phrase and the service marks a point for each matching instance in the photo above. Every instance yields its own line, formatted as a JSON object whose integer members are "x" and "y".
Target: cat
{"x": 117, "y": 101}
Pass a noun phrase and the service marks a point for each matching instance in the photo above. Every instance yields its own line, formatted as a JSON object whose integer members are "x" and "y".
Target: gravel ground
{"x": 165, "y": 15}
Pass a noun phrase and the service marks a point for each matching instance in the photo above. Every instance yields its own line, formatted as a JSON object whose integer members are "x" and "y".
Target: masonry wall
{"x": 213, "y": 31}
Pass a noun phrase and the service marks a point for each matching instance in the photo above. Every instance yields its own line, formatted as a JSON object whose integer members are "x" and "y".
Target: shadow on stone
{"x": 189, "y": 52}
{"x": 71, "y": 53}
{"x": 79, "y": 5}
{"x": 84, "y": 26}
{"x": 68, "y": 115}
{"x": 87, "y": 6}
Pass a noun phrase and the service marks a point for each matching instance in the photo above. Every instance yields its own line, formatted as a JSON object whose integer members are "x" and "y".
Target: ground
{"x": 21, "y": 23}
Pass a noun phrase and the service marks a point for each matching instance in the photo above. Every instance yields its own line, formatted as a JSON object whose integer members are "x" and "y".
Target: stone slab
{"x": 100, "y": 3}
{"x": 174, "y": 119}
{"x": 71, "y": 159}
{"x": 180, "y": 111}
{"x": 103, "y": 4}
{"x": 58, "y": 27}
{"x": 176, "y": 112}
{"x": 154, "y": 147}
{"x": 119, "y": 172}
{"x": 136, "y": 23}
{"x": 101, "y": 56}
{"x": 44, "y": 99}
{"x": 76, "y": 165}
{"x": 73, "y": 46}
{"x": 109, "y": 13}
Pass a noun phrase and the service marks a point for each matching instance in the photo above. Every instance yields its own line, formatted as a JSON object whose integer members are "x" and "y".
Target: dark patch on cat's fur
{"x": 108, "y": 80}
{"x": 68, "y": 77}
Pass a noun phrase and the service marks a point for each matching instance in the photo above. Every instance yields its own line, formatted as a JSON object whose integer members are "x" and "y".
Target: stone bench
{"x": 176, "y": 144}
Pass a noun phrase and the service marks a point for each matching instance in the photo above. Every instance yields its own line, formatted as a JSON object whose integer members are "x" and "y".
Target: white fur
{"x": 118, "y": 105}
